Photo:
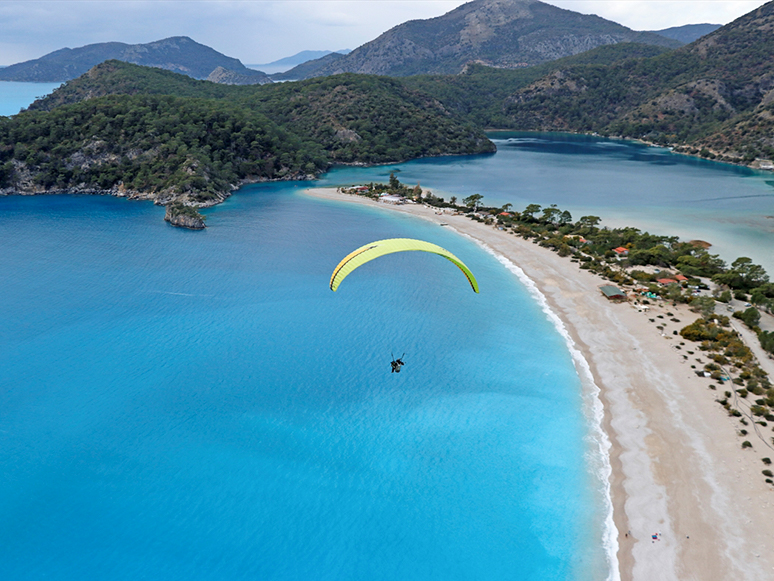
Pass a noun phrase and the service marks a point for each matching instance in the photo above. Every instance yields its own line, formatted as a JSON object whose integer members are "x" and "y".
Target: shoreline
{"x": 675, "y": 462}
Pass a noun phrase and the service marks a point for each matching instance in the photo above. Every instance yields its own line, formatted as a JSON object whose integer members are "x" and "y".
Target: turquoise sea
{"x": 15, "y": 96}
{"x": 199, "y": 405}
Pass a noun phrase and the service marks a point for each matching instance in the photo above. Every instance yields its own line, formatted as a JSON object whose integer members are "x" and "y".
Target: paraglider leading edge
{"x": 379, "y": 248}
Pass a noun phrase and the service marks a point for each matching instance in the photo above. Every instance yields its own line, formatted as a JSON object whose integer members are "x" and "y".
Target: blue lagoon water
{"x": 624, "y": 182}
{"x": 16, "y": 96}
{"x": 199, "y": 405}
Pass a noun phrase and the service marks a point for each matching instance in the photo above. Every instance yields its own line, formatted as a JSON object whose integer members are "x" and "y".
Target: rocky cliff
{"x": 184, "y": 217}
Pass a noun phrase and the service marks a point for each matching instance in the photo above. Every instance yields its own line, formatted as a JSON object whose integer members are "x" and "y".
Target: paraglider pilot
{"x": 397, "y": 363}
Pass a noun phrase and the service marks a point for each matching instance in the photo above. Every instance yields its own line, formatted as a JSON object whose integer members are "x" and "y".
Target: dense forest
{"x": 123, "y": 128}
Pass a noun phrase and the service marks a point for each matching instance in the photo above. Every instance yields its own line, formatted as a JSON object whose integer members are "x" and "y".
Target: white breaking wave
{"x": 599, "y": 461}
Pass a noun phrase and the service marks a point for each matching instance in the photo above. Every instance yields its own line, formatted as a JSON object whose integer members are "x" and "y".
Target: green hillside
{"x": 712, "y": 97}
{"x": 123, "y": 128}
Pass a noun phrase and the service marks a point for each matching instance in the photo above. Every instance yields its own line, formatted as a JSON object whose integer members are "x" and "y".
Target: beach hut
{"x": 613, "y": 293}
{"x": 621, "y": 252}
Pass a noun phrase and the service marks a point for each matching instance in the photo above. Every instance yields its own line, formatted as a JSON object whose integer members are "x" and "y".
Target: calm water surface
{"x": 199, "y": 405}
{"x": 623, "y": 182}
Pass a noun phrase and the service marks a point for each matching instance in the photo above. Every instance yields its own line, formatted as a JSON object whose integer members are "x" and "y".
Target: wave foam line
{"x": 599, "y": 461}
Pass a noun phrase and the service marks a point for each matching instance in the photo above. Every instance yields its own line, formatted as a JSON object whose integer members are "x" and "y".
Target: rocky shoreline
{"x": 182, "y": 210}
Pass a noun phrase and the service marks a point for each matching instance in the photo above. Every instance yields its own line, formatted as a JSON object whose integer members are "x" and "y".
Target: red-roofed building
{"x": 681, "y": 278}
{"x": 621, "y": 251}
{"x": 666, "y": 281}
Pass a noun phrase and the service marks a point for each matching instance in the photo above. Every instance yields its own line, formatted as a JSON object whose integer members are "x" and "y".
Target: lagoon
{"x": 624, "y": 182}
{"x": 200, "y": 405}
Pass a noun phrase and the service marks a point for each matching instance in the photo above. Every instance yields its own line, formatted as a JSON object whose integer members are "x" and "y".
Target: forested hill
{"x": 149, "y": 133}
{"x": 713, "y": 97}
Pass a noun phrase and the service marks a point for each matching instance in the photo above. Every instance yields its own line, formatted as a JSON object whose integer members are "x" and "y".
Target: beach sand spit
{"x": 678, "y": 469}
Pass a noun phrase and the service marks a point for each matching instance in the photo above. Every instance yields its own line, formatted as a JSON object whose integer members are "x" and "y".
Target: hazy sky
{"x": 260, "y": 31}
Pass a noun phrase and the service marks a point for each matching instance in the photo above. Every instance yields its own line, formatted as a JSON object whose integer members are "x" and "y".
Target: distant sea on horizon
{"x": 16, "y": 96}
{"x": 199, "y": 405}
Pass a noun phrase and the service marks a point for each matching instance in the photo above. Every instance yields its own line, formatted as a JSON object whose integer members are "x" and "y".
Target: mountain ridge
{"x": 713, "y": 98}
{"x": 179, "y": 54}
{"x": 498, "y": 33}
{"x": 688, "y": 32}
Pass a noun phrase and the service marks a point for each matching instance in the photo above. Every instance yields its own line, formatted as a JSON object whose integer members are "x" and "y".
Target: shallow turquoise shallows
{"x": 200, "y": 405}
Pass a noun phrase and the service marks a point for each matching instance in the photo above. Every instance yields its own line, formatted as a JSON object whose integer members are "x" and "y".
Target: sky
{"x": 261, "y": 31}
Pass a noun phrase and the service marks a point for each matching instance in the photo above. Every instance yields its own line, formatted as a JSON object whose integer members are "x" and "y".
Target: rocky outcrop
{"x": 184, "y": 217}
{"x": 227, "y": 77}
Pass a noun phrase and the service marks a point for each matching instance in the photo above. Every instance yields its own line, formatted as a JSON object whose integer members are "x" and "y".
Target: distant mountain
{"x": 498, "y": 33}
{"x": 713, "y": 97}
{"x": 688, "y": 33}
{"x": 287, "y": 63}
{"x": 308, "y": 69}
{"x": 179, "y": 54}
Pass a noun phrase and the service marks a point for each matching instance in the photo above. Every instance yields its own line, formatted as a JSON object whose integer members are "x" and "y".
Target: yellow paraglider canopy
{"x": 381, "y": 247}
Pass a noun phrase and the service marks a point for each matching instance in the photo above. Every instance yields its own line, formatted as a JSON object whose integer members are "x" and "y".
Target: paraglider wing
{"x": 379, "y": 248}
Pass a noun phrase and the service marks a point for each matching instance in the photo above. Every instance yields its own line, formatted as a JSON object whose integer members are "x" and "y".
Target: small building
{"x": 392, "y": 199}
{"x": 361, "y": 188}
{"x": 504, "y": 214}
{"x": 681, "y": 278}
{"x": 621, "y": 252}
{"x": 577, "y": 237}
{"x": 666, "y": 281}
{"x": 613, "y": 293}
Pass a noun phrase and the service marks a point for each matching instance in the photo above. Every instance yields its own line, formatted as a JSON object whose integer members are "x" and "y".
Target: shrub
{"x": 766, "y": 461}
{"x": 746, "y": 444}
{"x": 767, "y": 472}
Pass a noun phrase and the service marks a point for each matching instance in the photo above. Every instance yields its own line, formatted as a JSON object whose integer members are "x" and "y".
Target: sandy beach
{"x": 678, "y": 468}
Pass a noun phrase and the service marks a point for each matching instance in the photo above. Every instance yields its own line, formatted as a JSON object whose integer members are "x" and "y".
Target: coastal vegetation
{"x": 656, "y": 266}
{"x": 138, "y": 131}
